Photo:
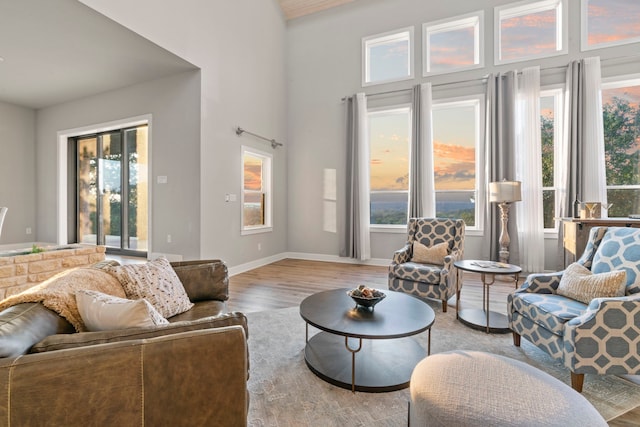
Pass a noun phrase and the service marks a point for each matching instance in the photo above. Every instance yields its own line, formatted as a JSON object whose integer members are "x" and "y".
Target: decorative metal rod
{"x": 274, "y": 144}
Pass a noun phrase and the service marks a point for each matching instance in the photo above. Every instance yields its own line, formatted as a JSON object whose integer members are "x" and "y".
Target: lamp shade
{"x": 505, "y": 191}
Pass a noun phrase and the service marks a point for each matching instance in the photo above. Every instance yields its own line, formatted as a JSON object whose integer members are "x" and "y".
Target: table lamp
{"x": 504, "y": 193}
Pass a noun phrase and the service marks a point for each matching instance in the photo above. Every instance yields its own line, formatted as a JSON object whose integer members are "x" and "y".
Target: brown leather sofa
{"x": 191, "y": 372}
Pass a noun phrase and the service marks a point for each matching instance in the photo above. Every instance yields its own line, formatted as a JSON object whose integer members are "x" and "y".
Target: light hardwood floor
{"x": 286, "y": 283}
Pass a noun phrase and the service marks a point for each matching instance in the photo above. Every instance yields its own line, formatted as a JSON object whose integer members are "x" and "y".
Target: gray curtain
{"x": 422, "y": 193}
{"x": 354, "y": 237}
{"x": 575, "y": 117}
{"x": 417, "y": 170}
{"x": 582, "y": 147}
{"x": 500, "y": 159}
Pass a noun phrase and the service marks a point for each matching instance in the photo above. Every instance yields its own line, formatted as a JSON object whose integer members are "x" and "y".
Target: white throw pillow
{"x": 156, "y": 282}
{"x": 430, "y": 255}
{"x": 102, "y": 312}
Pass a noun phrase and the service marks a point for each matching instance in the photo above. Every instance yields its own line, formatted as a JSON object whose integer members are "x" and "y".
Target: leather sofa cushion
{"x": 81, "y": 339}
{"x": 203, "y": 280}
{"x": 23, "y": 325}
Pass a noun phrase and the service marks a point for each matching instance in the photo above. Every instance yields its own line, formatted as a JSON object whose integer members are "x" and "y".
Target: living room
{"x": 243, "y": 64}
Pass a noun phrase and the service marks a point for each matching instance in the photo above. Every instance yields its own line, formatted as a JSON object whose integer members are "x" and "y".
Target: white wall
{"x": 324, "y": 65}
{"x": 174, "y": 104}
{"x": 17, "y": 172}
{"x": 240, "y": 48}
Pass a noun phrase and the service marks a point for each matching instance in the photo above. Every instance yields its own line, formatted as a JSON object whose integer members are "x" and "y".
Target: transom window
{"x": 529, "y": 30}
{"x": 256, "y": 191}
{"x": 387, "y": 57}
{"x": 621, "y": 119}
{"x": 609, "y": 23}
{"x": 453, "y": 44}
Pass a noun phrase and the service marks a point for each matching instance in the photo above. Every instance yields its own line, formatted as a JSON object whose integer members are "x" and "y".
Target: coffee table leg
{"x": 429, "y": 342}
{"x": 353, "y": 361}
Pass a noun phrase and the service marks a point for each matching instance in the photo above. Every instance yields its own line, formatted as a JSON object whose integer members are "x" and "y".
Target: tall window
{"x": 453, "y": 44}
{"x": 387, "y": 57}
{"x": 550, "y": 122}
{"x": 621, "y": 119}
{"x": 256, "y": 191}
{"x": 529, "y": 30}
{"x": 456, "y": 145}
{"x": 112, "y": 189}
{"x": 389, "y": 133}
{"x": 608, "y": 23}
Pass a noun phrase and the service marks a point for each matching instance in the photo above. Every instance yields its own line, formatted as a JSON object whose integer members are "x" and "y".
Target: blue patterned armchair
{"x": 428, "y": 280}
{"x": 602, "y": 337}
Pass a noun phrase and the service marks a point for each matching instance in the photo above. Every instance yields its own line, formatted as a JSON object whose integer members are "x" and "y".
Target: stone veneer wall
{"x": 21, "y": 272}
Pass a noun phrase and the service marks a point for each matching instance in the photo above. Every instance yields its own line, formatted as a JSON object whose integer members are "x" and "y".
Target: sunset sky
{"x": 528, "y": 35}
{"x": 613, "y": 20}
{"x": 453, "y": 145}
{"x": 452, "y": 49}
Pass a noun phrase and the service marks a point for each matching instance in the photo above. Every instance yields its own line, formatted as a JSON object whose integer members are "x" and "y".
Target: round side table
{"x": 484, "y": 319}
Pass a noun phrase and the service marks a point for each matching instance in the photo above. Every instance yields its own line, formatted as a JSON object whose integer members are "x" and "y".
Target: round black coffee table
{"x": 365, "y": 349}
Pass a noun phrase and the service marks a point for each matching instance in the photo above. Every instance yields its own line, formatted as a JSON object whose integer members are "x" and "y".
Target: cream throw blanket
{"x": 59, "y": 292}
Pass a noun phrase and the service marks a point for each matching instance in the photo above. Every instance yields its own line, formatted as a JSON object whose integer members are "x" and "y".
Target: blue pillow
{"x": 620, "y": 249}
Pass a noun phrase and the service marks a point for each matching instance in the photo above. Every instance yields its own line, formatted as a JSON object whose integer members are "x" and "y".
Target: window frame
{"x": 474, "y": 19}
{"x": 614, "y": 83}
{"x": 392, "y": 228}
{"x": 528, "y": 7}
{"x": 368, "y": 41}
{"x": 557, "y": 91}
{"x": 478, "y": 101}
{"x": 584, "y": 32}
{"x": 267, "y": 183}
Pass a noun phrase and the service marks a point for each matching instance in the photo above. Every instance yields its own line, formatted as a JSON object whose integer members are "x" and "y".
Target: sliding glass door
{"x": 112, "y": 189}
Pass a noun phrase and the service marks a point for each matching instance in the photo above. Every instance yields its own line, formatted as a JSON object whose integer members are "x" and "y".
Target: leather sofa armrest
{"x": 203, "y": 279}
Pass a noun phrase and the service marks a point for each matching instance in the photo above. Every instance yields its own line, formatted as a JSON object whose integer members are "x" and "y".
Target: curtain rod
{"x": 274, "y": 144}
{"x": 484, "y": 78}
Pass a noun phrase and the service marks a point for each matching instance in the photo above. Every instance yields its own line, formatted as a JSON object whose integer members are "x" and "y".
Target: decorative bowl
{"x": 364, "y": 301}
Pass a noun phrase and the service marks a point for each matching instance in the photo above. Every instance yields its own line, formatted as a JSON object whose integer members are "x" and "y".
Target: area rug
{"x": 284, "y": 392}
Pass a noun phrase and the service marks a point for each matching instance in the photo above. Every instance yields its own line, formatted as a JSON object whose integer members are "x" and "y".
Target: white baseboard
{"x": 242, "y": 268}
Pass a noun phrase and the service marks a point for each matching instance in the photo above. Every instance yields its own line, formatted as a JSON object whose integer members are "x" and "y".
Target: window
{"x": 111, "y": 193}
{"x": 551, "y": 131}
{"x": 609, "y": 23}
{"x": 453, "y": 45}
{"x": 387, "y": 57}
{"x": 621, "y": 119}
{"x": 456, "y": 146}
{"x": 256, "y": 191}
{"x": 529, "y": 30}
{"x": 389, "y": 134}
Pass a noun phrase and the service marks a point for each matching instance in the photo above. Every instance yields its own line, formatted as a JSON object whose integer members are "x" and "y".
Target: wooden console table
{"x": 576, "y": 233}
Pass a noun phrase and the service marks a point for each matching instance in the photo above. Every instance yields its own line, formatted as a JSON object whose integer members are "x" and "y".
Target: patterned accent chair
{"x": 602, "y": 337}
{"x": 428, "y": 280}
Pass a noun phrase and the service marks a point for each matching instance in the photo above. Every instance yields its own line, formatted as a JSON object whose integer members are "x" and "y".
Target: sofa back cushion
{"x": 23, "y": 325}
{"x": 620, "y": 249}
{"x": 203, "y": 280}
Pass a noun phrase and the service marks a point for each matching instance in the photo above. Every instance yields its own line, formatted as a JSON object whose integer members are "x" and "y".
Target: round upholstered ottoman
{"x": 472, "y": 388}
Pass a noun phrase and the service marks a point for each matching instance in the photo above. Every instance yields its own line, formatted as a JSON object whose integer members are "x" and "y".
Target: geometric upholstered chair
{"x": 600, "y": 336}
{"x": 428, "y": 280}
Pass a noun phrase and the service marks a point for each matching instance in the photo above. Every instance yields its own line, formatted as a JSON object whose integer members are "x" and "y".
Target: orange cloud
{"x": 252, "y": 177}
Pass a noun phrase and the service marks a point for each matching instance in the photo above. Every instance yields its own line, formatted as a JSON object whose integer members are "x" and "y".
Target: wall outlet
{"x": 28, "y": 231}
{"x": 168, "y": 238}
{"x": 259, "y": 246}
